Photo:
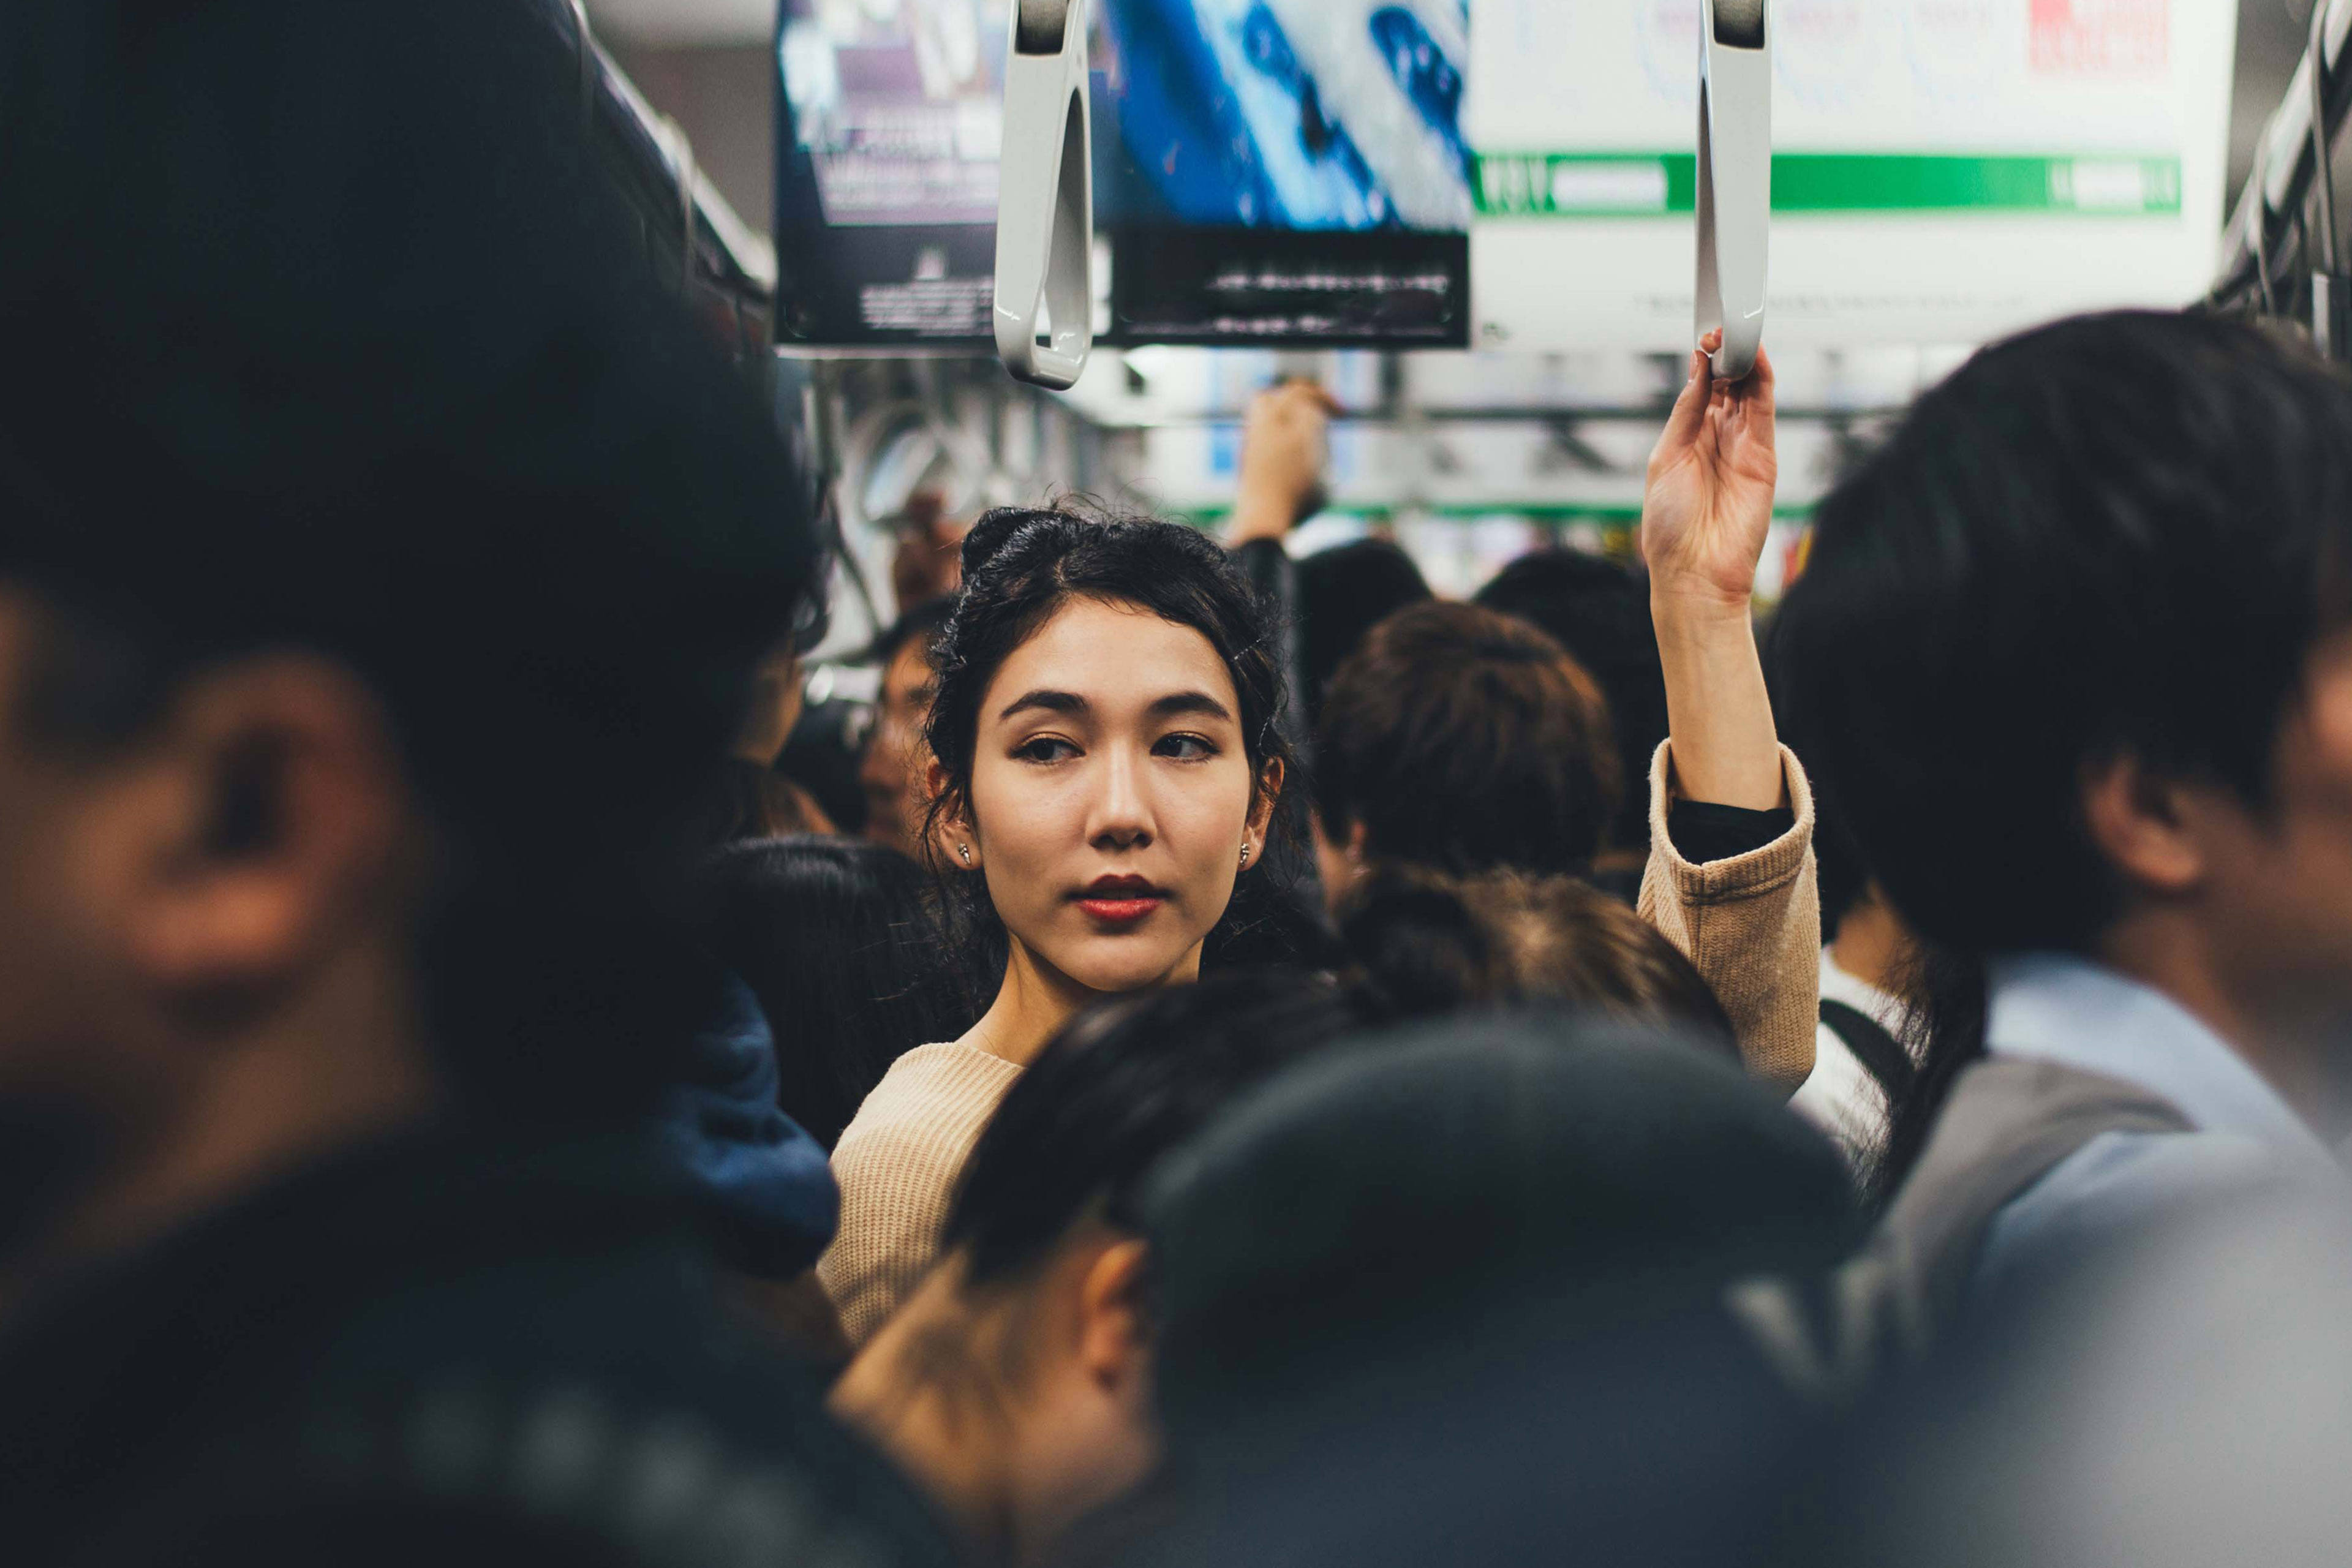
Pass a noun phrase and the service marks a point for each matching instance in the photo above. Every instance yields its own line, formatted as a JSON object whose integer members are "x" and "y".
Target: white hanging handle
{"x": 1045, "y": 200}
{"x": 1735, "y": 178}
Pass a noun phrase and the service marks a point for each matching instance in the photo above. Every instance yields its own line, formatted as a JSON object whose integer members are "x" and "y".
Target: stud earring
{"x": 1244, "y": 854}
{"x": 965, "y": 850}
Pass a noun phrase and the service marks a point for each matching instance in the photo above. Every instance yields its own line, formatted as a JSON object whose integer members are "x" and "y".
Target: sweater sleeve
{"x": 897, "y": 1164}
{"x": 1750, "y": 925}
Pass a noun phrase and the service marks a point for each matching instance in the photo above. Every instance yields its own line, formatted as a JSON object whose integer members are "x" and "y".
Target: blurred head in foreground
{"x": 1016, "y": 1382}
{"x": 1456, "y": 1294}
{"x": 353, "y": 476}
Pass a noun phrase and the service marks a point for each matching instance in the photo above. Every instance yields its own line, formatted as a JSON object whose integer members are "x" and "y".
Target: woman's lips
{"x": 1119, "y": 912}
{"x": 1120, "y": 901}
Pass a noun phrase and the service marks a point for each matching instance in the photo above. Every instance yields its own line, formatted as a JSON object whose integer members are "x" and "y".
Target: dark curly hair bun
{"x": 991, "y": 533}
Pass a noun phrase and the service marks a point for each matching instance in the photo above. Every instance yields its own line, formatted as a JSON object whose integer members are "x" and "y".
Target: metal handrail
{"x": 2288, "y": 160}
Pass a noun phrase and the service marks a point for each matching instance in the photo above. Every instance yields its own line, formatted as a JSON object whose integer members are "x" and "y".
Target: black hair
{"x": 1944, "y": 1031}
{"x": 1599, "y": 612}
{"x": 525, "y": 504}
{"x": 1464, "y": 739}
{"x": 1344, "y": 592}
{"x": 1120, "y": 1086}
{"x": 1845, "y": 876}
{"x": 1423, "y": 946}
{"x": 836, "y": 940}
{"x": 1020, "y": 566}
{"x": 2120, "y": 534}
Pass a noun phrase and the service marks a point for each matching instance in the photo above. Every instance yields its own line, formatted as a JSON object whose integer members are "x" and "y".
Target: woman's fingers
{"x": 1690, "y": 409}
{"x": 1759, "y": 404}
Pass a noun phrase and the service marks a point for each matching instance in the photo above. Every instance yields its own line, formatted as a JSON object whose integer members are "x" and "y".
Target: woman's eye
{"x": 1045, "y": 749}
{"x": 1187, "y": 748}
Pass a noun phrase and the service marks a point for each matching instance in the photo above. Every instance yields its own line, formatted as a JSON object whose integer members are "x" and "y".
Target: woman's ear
{"x": 1260, "y": 817}
{"x": 952, "y": 839}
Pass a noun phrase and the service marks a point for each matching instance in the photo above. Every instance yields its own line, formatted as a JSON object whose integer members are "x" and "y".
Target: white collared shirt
{"x": 2076, "y": 1014}
{"x": 1840, "y": 1097}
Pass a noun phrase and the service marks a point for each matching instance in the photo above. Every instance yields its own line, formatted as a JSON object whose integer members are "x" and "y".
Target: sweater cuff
{"x": 1701, "y": 832}
{"x": 1744, "y": 876}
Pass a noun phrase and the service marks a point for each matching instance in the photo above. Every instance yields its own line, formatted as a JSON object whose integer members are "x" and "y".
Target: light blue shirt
{"x": 2077, "y": 1013}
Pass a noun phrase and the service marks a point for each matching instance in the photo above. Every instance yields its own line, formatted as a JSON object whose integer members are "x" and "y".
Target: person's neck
{"x": 1872, "y": 946}
{"x": 2169, "y": 952}
{"x": 339, "y": 1066}
{"x": 1036, "y": 999}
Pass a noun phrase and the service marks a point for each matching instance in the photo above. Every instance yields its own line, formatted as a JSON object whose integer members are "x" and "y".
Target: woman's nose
{"x": 1121, "y": 816}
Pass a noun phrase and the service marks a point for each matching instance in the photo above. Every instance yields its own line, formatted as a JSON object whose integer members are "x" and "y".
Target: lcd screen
{"x": 1267, "y": 170}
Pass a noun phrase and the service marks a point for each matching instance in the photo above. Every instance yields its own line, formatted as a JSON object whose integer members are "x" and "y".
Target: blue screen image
{"x": 1316, "y": 115}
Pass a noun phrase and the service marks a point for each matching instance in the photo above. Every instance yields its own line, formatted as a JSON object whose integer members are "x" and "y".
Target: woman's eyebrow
{"x": 1200, "y": 702}
{"x": 1046, "y": 702}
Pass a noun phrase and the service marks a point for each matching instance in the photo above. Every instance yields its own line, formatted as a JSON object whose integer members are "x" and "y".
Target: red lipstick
{"x": 1120, "y": 901}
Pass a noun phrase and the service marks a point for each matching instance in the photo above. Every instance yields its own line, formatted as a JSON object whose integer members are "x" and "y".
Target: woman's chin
{"x": 1128, "y": 965}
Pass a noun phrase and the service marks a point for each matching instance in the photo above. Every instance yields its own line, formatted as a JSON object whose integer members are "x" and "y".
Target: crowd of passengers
{"x": 1267, "y": 1066}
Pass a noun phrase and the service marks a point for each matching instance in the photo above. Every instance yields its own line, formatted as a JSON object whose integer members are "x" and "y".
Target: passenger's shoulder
{"x": 928, "y": 1089}
{"x": 2120, "y": 1180}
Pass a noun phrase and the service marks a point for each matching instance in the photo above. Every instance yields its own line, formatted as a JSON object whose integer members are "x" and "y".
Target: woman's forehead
{"x": 1116, "y": 656}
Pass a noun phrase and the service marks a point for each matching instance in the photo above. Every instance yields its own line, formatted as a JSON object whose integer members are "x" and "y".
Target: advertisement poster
{"x": 889, "y": 121}
{"x": 1266, "y": 170}
{"x": 1944, "y": 171}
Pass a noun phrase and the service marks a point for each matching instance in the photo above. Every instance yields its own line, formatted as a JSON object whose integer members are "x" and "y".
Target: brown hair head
{"x": 1425, "y": 943}
{"x": 1466, "y": 740}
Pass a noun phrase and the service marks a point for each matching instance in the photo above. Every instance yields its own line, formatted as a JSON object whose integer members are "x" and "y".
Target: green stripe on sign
{"x": 1660, "y": 184}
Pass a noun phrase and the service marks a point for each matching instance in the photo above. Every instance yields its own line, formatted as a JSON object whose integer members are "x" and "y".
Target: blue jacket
{"x": 764, "y": 1182}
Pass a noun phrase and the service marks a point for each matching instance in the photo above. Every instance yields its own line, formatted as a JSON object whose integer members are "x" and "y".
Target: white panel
{"x": 685, "y": 23}
{"x": 2007, "y": 162}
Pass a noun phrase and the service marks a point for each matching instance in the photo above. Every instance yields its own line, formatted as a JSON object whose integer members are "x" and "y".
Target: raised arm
{"x": 1731, "y": 880}
{"x": 1704, "y": 522}
{"x": 1286, "y": 446}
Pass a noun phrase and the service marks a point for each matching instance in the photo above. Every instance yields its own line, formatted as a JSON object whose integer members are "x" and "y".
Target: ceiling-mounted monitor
{"x": 1268, "y": 172}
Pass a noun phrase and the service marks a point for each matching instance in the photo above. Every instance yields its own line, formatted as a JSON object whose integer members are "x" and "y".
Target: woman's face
{"x": 1111, "y": 795}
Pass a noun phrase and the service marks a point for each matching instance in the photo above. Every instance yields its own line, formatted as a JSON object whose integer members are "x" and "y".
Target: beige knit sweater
{"x": 897, "y": 1163}
{"x": 1751, "y": 926}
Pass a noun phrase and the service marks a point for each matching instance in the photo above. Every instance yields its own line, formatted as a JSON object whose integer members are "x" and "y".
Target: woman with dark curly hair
{"x": 1106, "y": 764}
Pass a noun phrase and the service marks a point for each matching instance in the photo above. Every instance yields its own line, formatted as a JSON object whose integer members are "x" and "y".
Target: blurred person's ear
{"x": 260, "y": 832}
{"x": 2145, "y": 826}
{"x": 1113, "y": 1340}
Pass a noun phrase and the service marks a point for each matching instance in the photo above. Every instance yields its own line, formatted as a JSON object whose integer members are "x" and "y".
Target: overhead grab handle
{"x": 1735, "y": 178}
{"x": 1045, "y": 200}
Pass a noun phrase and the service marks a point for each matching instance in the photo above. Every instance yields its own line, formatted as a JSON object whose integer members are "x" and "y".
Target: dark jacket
{"x": 432, "y": 1352}
{"x": 765, "y": 1185}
